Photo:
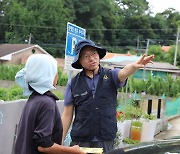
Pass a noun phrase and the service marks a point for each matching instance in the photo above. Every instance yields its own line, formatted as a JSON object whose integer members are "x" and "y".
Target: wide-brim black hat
{"x": 78, "y": 48}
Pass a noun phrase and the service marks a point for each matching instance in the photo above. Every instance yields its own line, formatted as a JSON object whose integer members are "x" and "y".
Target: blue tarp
{"x": 117, "y": 59}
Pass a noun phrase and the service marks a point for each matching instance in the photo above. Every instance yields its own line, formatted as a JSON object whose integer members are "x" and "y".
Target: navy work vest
{"x": 94, "y": 115}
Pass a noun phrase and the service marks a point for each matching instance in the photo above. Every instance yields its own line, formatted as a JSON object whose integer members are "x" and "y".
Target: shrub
{"x": 130, "y": 141}
{"x": 155, "y": 86}
{"x": 13, "y": 93}
{"x": 16, "y": 92}
{"x": 8, "y": 72}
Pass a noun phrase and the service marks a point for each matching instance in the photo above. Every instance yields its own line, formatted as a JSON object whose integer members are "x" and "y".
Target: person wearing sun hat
{"x": 91, "y": 97}
{"x": 80, "y": 46}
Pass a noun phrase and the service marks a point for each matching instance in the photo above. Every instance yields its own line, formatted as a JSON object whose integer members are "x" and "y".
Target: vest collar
{"x": 83, "y": 73}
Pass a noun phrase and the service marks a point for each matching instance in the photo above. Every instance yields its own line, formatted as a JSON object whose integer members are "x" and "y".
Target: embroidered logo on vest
{"x": 105, "y": 77}
{"x": 83, "y": 94}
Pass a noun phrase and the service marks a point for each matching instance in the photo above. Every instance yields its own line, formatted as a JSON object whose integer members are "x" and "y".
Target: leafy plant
{"x": 58, "y": 94}
{"x": 118, "y": 139}
{"x": 16, "y": 92}
{"x": 13, "y": 93}
{"x": 8, "y": 72}
{"x": 136, "y": 123}
{"x": 132, "y": 112}
{"x": 155, "y": 85}
{"x": 62, "y": 78}
{"x": 148, "y": 116}
{"x": 120, "y": 116}
{"x": 130, "y": 141}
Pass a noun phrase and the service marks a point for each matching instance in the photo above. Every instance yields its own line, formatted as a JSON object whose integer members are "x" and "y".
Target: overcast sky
{"x": 158, "y": 6}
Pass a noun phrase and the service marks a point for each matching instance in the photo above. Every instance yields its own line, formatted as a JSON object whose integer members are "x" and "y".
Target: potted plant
{"x": 128, "y": 141}
{"x": 148, "y": 128}
{"x": 136, "y": 127}
{"x": 134, "y": 112}
{"x": 118, "y": 140}
{"x": 123, "y": 123}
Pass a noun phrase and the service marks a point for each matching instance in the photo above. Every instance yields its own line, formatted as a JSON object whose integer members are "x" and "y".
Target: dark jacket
{"x": 40, "y": 124}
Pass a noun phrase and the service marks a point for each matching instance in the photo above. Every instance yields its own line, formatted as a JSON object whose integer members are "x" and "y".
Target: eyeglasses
{"x": 87, "y": 56}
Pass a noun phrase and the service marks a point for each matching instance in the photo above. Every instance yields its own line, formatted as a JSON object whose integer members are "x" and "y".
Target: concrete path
{"x": 172, "y": 131}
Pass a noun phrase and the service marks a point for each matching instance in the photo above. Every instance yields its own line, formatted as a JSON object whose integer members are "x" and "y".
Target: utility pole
{"x": 137, "y": 44}
{"x": 89, "y": 37}
{"x": 176, "y": 50}
{"x": 30, "y": 36}
{"x": 147, "y": 47}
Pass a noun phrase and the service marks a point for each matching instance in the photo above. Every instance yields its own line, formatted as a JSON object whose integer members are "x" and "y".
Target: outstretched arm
{"x": 130, "y": 69}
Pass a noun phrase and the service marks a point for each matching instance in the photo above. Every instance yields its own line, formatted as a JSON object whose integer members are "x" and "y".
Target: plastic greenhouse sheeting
{"x": 117, "y": 59}
{"x": 68, "y": 140}
{"x": 172, "y": 108}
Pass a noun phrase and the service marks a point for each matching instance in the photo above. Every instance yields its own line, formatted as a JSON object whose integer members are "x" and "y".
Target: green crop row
{"x": 9, "y": 71}
{"x": 16, "y": 92}
{"x": 153, "y": 85}
{"x": 157, "y": 86}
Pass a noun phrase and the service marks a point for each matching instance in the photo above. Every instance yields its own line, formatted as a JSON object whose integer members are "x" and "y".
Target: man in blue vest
{"x": 91, "y": 97}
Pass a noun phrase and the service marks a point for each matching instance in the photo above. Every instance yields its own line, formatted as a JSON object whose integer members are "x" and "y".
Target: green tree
{"x": 140, "y": 25}
{"x": 160, "y": 29}
{"x": 136, "y": 23}
{"x": 171, "y": 16}
{"x": 44, "y": 20}
{"x": 17, "y": 17}
{"x": 133, "y": 8}
{"x": 98, "y": 17}
{"x": 170, "y": 56}
{"x": 157, "y": 51}
{"x": 113, "y": 24}
{"x": 2, "y": 24}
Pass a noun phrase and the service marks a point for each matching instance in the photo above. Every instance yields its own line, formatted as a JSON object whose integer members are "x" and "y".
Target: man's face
{"x": 89, "y": 58}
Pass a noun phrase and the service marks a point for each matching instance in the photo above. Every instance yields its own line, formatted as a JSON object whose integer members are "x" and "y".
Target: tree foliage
{"x": 114, "y": 24}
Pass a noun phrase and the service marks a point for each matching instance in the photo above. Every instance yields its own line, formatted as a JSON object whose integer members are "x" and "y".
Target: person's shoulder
{"x": 106, "y": 69}
{"x": 44, "y": 100}
{"x": 78, "y": 75}
{"x": 111, "y": 71}
{"x": 48, "y": 102}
